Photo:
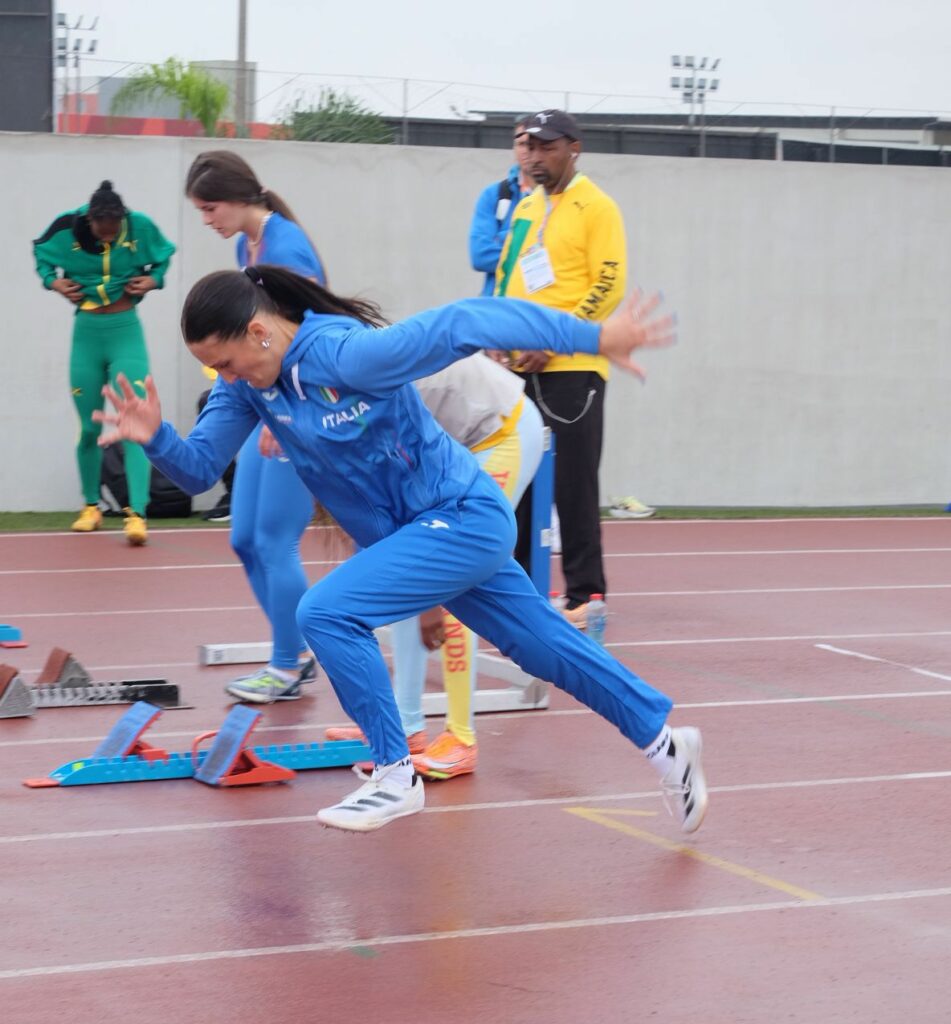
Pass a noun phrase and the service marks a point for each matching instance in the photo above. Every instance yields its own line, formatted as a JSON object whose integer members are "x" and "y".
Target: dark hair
{"x": 224, "y": 303}
{"x": 220, "y": 176}
{"x": 105, "y": 204}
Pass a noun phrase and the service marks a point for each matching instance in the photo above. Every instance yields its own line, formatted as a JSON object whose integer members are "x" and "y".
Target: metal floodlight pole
{"x": 63, "y": 54}
{"x": 241, "y": 76}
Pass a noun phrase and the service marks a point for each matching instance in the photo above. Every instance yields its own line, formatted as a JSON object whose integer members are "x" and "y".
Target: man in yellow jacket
{"x": 566, "y": 249}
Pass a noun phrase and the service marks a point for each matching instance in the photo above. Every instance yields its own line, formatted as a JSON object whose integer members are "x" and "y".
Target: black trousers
{"x": 572, "y": 404}
{"x": 227, "y": 478}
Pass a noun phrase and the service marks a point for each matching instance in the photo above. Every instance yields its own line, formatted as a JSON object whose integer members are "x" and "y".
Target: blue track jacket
{"x": 347, "y": 416}
{"x": 488, "y": 230}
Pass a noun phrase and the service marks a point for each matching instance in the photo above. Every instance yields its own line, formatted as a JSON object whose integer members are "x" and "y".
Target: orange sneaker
{"x": 416, "y": 742}
{"x": 446, "y": 757}
{"x": 89, "y": 519}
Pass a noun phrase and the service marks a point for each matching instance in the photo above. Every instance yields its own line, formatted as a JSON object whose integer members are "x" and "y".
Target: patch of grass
{"x": 36, "y": 522}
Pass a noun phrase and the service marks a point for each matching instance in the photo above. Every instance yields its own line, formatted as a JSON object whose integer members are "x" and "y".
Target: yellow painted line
{"x": 606, "y": 818}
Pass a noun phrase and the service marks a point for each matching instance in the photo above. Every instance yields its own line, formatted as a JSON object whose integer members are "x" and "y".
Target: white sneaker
{"x": 631, "y": 508}
{"x": 376, "y": 803}
{"x": 684, "y": 785}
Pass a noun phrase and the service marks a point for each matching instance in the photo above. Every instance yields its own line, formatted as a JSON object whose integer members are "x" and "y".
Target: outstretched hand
{"x": 136, "y": 419}
{"x": 635, "y": 325}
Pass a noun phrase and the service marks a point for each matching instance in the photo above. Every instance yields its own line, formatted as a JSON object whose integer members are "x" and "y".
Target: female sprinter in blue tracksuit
{"x": 435, "y": 529}
{"x": 270, "y": 506}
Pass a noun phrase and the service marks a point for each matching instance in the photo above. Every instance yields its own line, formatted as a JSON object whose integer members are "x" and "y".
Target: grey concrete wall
{"x": 813, "y": 365}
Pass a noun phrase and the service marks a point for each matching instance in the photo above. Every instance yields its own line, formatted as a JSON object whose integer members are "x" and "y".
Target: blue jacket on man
{"x": 490, "y": 225}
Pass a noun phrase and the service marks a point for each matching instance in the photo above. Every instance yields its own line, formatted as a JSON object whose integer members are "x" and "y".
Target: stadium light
{"x": 694, "y": 88}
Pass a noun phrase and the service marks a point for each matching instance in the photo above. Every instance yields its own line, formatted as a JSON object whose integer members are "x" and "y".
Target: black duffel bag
{"x": 166, "y": 501}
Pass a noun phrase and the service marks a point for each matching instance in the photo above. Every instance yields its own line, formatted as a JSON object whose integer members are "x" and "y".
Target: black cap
{"x": 548, "y": 125}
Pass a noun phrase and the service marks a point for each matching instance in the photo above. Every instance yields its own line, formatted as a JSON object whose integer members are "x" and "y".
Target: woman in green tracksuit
{"x": 104, "y": 258}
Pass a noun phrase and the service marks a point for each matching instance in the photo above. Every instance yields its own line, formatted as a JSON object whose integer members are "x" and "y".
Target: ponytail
{"x": 220, "y": 176}
{"x": 105, "y": 204}
{"x": 224, "y": 303}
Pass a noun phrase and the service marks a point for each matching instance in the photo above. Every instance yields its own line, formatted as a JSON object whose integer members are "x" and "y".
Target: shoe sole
{"x": 441, "y": 776}
{"x": 698, "y": 767}
{"x": 260, "y": 699}
{"x": 367, "y": 826}
{"x": 631, "y": 515}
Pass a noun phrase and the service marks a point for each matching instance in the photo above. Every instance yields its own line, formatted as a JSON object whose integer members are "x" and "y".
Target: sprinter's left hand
{"x": 635, "y": 324}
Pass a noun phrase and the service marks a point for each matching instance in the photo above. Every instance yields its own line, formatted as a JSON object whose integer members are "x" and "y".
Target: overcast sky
{"x": 608, "y": 55}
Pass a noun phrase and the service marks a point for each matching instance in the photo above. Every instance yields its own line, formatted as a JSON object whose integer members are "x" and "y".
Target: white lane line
{"x": 493, "y": 931}
{"x": 633, "y": 554}
{"x": 773, "y": 639}
{"x": 498, "y": 805}
{"x": 775, "y": 551}
{"x": 885, "y": 661}
{"x": 712, "y": 705}
{"x": 87, "y": 570}
{"x": 208, "y": 531}
{"x": 879, "y": 520}
{"x": 780, "y": 590}
{"x": 13, "y": 616}
{"x": 616, "y": 594}
{"x": 653, "y": 523}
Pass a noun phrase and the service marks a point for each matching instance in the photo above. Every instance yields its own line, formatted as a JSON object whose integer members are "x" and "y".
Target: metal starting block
{"x": 64, "y": 683}
{"x": 16, "y": 700}
{"x": 523, "y": 693}
{"x": 123, "y": 756}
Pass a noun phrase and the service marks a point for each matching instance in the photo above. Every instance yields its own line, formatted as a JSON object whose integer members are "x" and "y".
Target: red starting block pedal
{"x": 229, "y": 761}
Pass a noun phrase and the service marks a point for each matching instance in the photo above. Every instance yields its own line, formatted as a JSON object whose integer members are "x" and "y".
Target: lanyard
{"x": 549, "y": 209}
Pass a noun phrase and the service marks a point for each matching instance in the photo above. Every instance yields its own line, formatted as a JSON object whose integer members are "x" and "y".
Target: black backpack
{"x": 166, "y": 501}
{"x": 504, "y": 201}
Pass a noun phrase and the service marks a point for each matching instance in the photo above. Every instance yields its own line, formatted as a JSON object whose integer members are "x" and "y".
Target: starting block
{"x": 64, "y": 683}
{"x": 16, "y": 701}
{"x": 123, "y": 756}
{"x": 10, "y": 636}
{"x": 229, "y": 761}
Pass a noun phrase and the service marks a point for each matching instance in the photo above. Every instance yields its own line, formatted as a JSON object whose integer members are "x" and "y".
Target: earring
{"x": 266, "y": 343}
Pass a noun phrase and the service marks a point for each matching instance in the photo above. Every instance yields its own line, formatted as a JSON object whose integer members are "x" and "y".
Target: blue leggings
{"x": 512, "y": 463}
{"x": 270, "y": 509}
{"x": 464, "y": 563}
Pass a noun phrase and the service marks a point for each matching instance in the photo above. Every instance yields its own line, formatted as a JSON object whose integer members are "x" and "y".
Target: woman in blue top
{"x": 334, "y": 387}
{"x": 270, "y": 507}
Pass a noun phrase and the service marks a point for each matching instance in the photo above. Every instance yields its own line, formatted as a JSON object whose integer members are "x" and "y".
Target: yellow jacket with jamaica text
{"x": 583, "y": 233}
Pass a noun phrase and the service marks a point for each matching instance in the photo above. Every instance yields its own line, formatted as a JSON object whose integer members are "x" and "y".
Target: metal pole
{"x": 831, "y": 135}
{"x": 703, "y": 125}
{"x": 405, "y": 128}
{"x": 241, "y": 79}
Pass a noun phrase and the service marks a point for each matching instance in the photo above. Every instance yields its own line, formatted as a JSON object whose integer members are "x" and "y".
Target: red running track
{"x": 551, "y": 885}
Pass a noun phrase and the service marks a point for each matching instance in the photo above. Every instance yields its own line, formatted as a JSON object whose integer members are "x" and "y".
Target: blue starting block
{"x": 543, "y": 489}
{"x": 10, "y": 636}
{"x": 124, "y": 757}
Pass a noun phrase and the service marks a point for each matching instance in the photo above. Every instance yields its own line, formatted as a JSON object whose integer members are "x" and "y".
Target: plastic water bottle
{"x": 597, "y": 618}
{"x": 556, "y": 600}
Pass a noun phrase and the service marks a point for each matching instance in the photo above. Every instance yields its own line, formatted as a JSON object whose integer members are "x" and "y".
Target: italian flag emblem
{"x": 330, "y": 395}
